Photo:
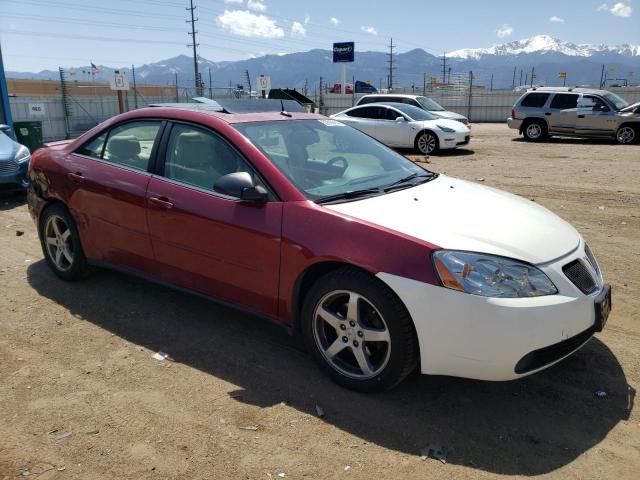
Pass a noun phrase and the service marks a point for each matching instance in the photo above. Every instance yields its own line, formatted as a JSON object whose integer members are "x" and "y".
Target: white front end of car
{"x": 488, "y": 334}
{"x": 451, "y": 133}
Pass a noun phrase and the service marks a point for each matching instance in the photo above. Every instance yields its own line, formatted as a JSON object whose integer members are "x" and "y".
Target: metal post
{"x": 343, "y": 85}
{"x": 210, "y": 85}
{"x": 470, "y": 94}
{"x": 177, "y": 97}
{"x": 513, "y": 84}
{"x": 532, "y": 75}
{"x": 135, "y": 90}
{"x": 491, "y": 87}
{"x": 424, "y": 84}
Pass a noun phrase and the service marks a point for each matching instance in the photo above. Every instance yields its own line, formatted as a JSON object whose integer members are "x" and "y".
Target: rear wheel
{"x": 427, "y": 143}
{"x": 358, "y": 331}
{"x": 627, "y": 134}
{"x": 534, "y": 130}
{"x": 61, "y": 243}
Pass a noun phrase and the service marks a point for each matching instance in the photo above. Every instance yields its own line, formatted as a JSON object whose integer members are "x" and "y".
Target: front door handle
{"x": 76, "y": 177}
{"x": 580, "y": 116}
{"x": 161, "y": 202}
{"x": 548, "y": 114}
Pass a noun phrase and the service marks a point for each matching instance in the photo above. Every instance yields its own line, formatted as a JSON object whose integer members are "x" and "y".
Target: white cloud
{"x": 256, "y": 6}
{"x": 247, "y": 24}
{"x": 620, "y": 9}
{"x": 369, "y": 30}
{"x": 504, "y": 31}
{"x": 234, "y": 1}
{"x": 298, "y": 30}
{"x": 334, "y": 21}
{"x": 555, "y": 19}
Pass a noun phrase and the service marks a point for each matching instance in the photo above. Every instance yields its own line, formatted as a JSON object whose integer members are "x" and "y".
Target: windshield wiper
{"x": 403, "y": 181}
{"x": 349, "y": 195}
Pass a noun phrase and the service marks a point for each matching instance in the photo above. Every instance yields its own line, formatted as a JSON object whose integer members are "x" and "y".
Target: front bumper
{"x": 13, "y": 175}
{"x": 485, "y": 338}
{"x": 514, "y": 123}
{"x": 453, "y": 140}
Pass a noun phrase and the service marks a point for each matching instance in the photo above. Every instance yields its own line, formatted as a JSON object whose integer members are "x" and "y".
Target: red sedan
{"x": 380, "y": 264}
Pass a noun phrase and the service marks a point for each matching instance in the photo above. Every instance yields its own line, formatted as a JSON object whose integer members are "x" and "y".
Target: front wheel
{"x": 358, "y": 331}
{"x": 427, "y": 143}
{"x": 61, "y": 243}
{"x": 626, "y": 134}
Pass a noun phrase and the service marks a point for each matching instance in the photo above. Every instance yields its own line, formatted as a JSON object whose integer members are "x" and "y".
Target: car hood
{"x": 447, "y": 114}
{"x": 8, "y": 148}
{"x": 445, "y": 122}
{"x": 630, "y": 108}
{"x": 461, "y": 215}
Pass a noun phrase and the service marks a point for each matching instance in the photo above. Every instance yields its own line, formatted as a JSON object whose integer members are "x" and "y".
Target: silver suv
{"x": 575, "y": 112}
{"x": 425, "y": 103}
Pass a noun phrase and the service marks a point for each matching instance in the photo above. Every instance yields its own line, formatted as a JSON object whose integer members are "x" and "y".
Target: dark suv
{"x": 575, "y": 112}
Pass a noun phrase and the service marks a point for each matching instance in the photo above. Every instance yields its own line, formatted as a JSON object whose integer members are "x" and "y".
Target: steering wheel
{"x": 336, "y": 160}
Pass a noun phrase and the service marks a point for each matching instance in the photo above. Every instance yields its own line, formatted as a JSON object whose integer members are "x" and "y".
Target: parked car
{"x": 381, "y": 265}
{"x": 576, "y": 112}
{"x": 425, "y": 103}
{"x": 14, "y": 161}
{"x": 406, "y": 126}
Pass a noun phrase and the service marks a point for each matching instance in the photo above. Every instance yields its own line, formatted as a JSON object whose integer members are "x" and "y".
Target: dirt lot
{"x": 82, "y": 397}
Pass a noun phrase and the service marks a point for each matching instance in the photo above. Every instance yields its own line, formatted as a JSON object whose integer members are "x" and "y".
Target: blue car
{"x": 14, "y": 162}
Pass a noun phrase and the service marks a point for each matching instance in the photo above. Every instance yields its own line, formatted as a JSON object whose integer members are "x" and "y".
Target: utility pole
{"x": 210, "y": 85}
{"x": 533, "y": 75}
{"x": 177, "y": 96}
{"x": 424, "y": 84}
{"x": 491, "y": 88}
{"x": 444, "y": 68}
{"x": 602, "y": 76}
{"x": 520, "y": 77}
{"x": 194, "y": 44}
{"x": 135, "y": 90}
{"x": 449, "y": 76}
{"x": 513, "y": 84}
{"x": 391, "y": 67}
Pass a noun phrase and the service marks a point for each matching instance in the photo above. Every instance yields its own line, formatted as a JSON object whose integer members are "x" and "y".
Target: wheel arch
{"x": 528, "y": 120}
{"x": 313, "y": 273}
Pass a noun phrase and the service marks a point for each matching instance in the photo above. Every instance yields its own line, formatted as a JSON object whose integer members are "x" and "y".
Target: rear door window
{"x": 564, "y": 101}
{"x": 366, "y": 112}
{"x": 535, "y": 100}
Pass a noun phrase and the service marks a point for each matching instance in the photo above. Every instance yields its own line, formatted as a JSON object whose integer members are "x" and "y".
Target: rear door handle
{"x": 161, "y": 202}
{"x": 548, "y": 114}
{"x": 580, "y": 116}
{"x": 76, "y": 177}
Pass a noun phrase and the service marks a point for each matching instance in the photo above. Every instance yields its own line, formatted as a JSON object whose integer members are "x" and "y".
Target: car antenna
{"x": 283, "y": 111}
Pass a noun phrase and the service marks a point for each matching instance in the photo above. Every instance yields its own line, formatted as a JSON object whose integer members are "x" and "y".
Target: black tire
{"x": 628, "y": 134}
{"x": 535, "y": 130}
{"x": 72, "y": 249}
{"x": 427, "y": 143}
{"x": 379, "y": 312}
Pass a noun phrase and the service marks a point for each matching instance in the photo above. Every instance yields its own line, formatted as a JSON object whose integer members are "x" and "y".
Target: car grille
{"x": 9, "y": 167}
{"x": 580, "y": 276}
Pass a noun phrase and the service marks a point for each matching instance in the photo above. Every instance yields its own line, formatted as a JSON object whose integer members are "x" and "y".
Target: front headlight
{"x": 445, "y": 129}
{"x": 23, "y": 154}
{"x": 490, "y": 275}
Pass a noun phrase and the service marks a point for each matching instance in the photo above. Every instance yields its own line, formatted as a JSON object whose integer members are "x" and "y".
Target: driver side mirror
{"x": 400, "y": 119}
{"x": 240, "y": 185}
{"x": 6, "y": 129}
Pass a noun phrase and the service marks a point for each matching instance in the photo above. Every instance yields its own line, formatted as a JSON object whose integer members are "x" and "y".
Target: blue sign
{"x": 343, "y": 52}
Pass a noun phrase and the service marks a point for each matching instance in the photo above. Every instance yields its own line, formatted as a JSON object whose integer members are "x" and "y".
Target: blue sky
{"x": 45, "y": 34}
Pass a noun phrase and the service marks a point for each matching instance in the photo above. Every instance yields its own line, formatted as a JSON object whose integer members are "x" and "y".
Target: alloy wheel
{"x": 351, "y": 334}
{"x": 534, "y": 131}
{"x": 58, "y": 242}
{"x": 626, "y": 135}
{"x": 426, "y": 143}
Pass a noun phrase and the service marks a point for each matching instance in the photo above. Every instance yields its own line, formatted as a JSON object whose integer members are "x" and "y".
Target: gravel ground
{"x": 82, "y": 397}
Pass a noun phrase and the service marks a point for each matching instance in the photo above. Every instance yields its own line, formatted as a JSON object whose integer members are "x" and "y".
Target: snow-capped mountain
{"x": 545, "y": 44}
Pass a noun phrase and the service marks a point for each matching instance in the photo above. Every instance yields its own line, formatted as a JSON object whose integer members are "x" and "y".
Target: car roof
{"x": 193, "y": 110}
{"x": 567, "y": 90}
{"x": 397, "y": 95}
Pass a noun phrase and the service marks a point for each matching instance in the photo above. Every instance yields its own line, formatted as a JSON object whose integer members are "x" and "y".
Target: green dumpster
{"x": 29, "y": 134}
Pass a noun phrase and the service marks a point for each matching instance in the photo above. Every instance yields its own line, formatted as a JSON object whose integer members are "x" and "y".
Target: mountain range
{"x": 499, "y": 65}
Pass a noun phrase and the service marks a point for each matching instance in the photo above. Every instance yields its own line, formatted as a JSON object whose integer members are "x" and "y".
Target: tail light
{"x": 513, "y": 113}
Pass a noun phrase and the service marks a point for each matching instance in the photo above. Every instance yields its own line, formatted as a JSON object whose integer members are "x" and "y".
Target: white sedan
{"x": 406, "y": 126}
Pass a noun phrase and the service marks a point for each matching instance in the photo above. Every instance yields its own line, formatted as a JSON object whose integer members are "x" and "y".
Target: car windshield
{"x": 412, "y": 112}
{"x": 429, "y": 104}
{"x": 326, "y": 158}
{"x": 618, "y": 102}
